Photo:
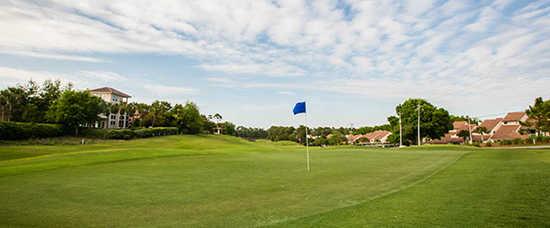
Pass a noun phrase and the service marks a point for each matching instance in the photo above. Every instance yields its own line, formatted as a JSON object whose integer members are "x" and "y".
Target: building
{"x": 115, "y": 119}
{"x": 508, "y": 128}
{"x": 375, "y": 137}
{"x": 452, "y": 135}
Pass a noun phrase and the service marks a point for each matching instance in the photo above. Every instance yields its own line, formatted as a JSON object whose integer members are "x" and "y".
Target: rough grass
{"x": 210, "y": 181}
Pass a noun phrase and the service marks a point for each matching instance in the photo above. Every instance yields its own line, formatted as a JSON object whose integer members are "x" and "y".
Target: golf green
{"x": 213, "y": 181}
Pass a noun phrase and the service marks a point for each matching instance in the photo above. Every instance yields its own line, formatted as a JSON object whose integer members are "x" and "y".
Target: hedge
{"x": 19, "y": 130}
{"x": 129, "y": 133}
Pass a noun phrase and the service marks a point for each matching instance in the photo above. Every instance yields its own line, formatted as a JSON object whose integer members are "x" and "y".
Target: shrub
{"x": 129, "y": 133}
{"x": 95, "y": 132}
{"x": 18, "y": 130}
{"x": 120, "y": 134}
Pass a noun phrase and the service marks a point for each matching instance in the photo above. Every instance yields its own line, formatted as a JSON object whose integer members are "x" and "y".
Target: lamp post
{"x": 400, "y": 131}
{"x": 418, "y": 124}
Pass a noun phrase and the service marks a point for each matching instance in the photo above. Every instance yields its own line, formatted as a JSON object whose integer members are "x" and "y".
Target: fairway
{"x": 222, "y": 181}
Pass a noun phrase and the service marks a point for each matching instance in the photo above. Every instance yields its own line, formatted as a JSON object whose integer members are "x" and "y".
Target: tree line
{"x": 54, "y": 102}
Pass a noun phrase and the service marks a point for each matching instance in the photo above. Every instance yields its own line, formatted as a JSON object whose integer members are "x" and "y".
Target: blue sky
{"x": 352, "y": 61}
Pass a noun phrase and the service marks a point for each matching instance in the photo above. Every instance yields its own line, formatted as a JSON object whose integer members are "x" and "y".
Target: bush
{"x": 18, "y": 130}
{"x": 120, "y": 134}
{"x": 129, "y": 133}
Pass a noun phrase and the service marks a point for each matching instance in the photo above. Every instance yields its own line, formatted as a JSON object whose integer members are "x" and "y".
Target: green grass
{"x": 210, "y": 181}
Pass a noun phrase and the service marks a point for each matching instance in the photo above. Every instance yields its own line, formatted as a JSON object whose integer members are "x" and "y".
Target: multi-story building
{"x": 116, "y": 118}
{"x": 498, "y": 129}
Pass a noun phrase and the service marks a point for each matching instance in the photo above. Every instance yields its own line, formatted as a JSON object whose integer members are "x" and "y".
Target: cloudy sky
{"x": 352, "y": 61}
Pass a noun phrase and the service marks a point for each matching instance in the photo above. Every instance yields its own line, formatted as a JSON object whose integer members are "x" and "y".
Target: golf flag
{"x": 300, "y": 107}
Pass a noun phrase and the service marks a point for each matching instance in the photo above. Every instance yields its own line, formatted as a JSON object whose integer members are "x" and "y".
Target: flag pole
{"x": 307, "y": 144}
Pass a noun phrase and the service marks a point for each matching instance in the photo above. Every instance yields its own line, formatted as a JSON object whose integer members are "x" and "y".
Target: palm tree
{"x": 218, "y": 118}
{"x": 481, "y": 130}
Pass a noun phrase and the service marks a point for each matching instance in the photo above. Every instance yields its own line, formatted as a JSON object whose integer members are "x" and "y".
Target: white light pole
{"x": 469, "y": 130}
{"x": 400, "y": 132}
{"x": 307, "y": 144}
{"x": 418, "y": 125}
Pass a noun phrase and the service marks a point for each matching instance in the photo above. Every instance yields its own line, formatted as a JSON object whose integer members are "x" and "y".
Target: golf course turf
{"x": 213, "y": 181}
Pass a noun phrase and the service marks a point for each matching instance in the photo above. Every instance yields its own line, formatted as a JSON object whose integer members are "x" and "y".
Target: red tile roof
{"x": 371, "y": 136}
{"x": 377, "y": 135}
{"x": 110, "y": 90}
{"x": 462, "y": 125}
{"x": 490, "y": 123}
{"x": 508, "y": 132}
{"x": 514, "y": 116}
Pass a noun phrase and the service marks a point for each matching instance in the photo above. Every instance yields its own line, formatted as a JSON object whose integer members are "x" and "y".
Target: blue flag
{"x": 300, "y": 107}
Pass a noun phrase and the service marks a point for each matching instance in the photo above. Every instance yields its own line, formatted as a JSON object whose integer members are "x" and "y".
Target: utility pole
{"x": 418, "y": 125}
{"x": 400, "y": 132}
{"x": 469, "y": 130}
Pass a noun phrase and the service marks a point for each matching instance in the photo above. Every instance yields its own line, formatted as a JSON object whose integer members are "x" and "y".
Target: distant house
{"x": 452, "y": 135}
{"x": 508, "y": 128}
{"x": 515, "y": 118}
{"x": 491, "y": 125}
{"x": 375, "y": 137}
{"x": 118, "y": 119}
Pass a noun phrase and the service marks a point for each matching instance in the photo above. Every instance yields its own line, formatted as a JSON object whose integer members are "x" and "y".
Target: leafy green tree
{"x": 464, "y": 118}
{"x": 434, "y": 121}
{"x": 301, "y": 134}
{"x": 482, "y": 131}
{"x": 75, "y": 108}
{"x": 539, "y": 115}
{"x": 279, "y": 133}
{"x": 251, "y": 133}
{"x": 228, "y": 128}
{"x": 29, "y": 102}
{"x": 464, "y": 134}
{"x": 208, "y": 125}
{"x": 188, "y": 118}
{"x": 335, "y": 138}
{"x": 158, "y": 114}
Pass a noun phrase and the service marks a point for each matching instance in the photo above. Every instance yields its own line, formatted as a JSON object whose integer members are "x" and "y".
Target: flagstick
{"x": 307, "y": 144}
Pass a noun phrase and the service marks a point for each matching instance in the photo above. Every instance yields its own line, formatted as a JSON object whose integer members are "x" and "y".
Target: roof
{"x": 490, "y": 123}
{"x": 377, "y": 135}
{"x": 508, "y": 132}
{"x": 462, "y": 125}
{"x": 514, "y": 116}
{"x": 110, "y": 90}
{"x": 371, "y": 136}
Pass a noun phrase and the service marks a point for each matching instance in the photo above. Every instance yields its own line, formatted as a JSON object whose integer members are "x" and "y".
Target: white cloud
{"x": 58, "y": 56}
{"x": 104, "y": 76}
{"x": 392, "y": 49}
{"x": 275, "y": 69}
{"x": 165, "y": 90}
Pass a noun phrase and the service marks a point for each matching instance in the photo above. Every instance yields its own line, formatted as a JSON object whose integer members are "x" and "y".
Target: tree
{"x": 188, "y": 118}
{"x": 228, "y": 128}
{"x": 464, "y": 118}
{"x": 251, "y": 133}
{"x": 217, "y": 118}
{"x": 301, "y": 134}
{"x": 434, "y": 121}
{"x": 482, "y": 131}
{"x": 335, "y": 138}
{"x": 158, "y": 114}
{"x": 464, "y": 134}
{"x": 29, "y": 102}
{"x": 539, "y": 115}
{"x": 279, "y": 133}
{"x": 75, "y": 108}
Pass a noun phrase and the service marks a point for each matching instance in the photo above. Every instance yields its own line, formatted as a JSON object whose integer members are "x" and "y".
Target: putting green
{"x": 224, "y": 181}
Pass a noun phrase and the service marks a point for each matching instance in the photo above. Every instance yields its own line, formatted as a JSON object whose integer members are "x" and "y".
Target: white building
{"x": 113, "y": 119}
